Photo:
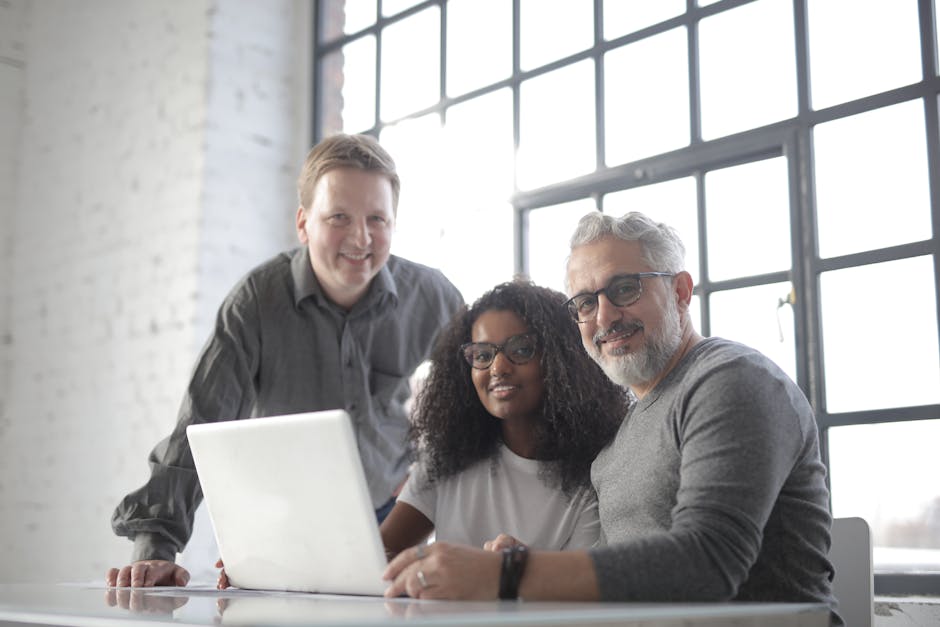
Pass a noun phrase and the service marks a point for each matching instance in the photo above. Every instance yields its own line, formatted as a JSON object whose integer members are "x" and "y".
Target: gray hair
{"x": 663, "y": 250}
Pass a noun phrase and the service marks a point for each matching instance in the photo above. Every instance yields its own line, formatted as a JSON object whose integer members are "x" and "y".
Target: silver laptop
{"x": 289, "y": 504}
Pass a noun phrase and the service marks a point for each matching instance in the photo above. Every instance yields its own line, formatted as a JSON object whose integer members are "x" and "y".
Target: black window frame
{"x": 791, "y": 138}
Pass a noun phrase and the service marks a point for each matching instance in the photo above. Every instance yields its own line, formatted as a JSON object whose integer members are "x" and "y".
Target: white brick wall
{"x": 12, "y": 13}
{"x": 150, "y": 163}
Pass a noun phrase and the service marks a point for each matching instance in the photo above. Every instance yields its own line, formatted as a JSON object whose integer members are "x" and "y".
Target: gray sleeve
{"x": 739, "y": 432}
{"x": 442, "y": 296}
{"x": 453, "y": 298}
{"x": 158, "y": 517}
{"x": 586, "y": 532}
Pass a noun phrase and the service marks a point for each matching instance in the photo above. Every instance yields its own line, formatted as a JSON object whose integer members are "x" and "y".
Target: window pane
{"x": 351, "y": 106}
{"x": 886, "y": 149}
{"x": 887, "y": 474}
{"x": 477, "y": 227}
{"x": 417, "y": 146}
{"x": 479, "y": 138}
{"x": 557, "y": 126}
{"x": 359, "y": 14}
{"x": 411, "y": 64}
{"x": 657, "y": 122}
{"x": 861, "y": 48}
{"x": 626, "y": 16}
{"x": 474, "y": 61}
{"x": 553, "y": 29}
{"x": 759, "y": 317}
{"x": 873, "y": 360}
{"x": 748, "y": 67}
{"x": 748, "y": 219}
{"x": 550, "y": 230}
{"x": 673, "y": 203}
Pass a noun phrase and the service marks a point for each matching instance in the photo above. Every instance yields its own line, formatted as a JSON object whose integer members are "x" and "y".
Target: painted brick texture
{"x": 148, "y": 156}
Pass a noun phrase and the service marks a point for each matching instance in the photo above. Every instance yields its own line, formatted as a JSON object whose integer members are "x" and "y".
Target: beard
{"x": 630, "y": 368}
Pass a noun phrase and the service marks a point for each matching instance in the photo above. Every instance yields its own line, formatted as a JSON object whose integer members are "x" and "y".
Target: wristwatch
{"x": 514, "y": 561}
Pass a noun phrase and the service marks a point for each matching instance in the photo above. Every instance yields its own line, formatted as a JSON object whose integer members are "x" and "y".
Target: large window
{"x": 794, "y": 144}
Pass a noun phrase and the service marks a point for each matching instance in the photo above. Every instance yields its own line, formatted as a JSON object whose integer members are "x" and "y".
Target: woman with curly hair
{"x": 507, "y": 424}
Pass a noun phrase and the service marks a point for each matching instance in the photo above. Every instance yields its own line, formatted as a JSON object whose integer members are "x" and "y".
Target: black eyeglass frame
{"x": 497, "y": 348}
{"x": 573, "y": 308}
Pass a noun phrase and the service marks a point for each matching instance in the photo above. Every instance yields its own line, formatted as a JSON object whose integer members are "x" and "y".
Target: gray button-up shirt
{"x": 281, "y": 347}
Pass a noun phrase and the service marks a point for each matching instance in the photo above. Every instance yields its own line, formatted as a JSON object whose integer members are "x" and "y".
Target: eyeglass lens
{"x": 621, "y": 292}
{"x": 519, "y": 349}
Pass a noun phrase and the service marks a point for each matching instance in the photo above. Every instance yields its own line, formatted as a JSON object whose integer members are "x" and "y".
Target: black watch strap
{"x": 514, "y": 561}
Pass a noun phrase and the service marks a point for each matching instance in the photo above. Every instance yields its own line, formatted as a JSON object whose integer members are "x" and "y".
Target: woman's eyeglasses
{"x": 518, "y": 349}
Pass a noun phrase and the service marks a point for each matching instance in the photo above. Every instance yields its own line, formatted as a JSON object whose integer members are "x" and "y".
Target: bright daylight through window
{"x": 802, "y": 174}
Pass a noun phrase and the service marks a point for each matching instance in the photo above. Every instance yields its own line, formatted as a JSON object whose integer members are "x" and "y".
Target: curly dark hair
{"x": 581, "y": 407}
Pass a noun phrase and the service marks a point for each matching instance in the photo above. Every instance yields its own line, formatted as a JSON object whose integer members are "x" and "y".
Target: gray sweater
{"x": 713, "y": 489}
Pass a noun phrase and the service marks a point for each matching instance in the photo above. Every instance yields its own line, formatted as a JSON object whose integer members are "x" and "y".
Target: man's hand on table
{"x": 148, "y": 573}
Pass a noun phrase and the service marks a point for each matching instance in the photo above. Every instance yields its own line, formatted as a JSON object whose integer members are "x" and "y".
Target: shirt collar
{"x": 306, "y": 284}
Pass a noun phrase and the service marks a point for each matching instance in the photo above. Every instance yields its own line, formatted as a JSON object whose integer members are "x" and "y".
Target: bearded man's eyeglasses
{"x": 519, "y": 349}
{"x": 622, "y": 290}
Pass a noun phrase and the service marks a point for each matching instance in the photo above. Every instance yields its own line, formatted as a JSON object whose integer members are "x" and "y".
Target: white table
{"x": 96, "y": 606}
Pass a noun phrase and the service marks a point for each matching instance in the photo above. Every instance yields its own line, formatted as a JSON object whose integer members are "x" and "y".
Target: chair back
{"x": 853, "y": 585}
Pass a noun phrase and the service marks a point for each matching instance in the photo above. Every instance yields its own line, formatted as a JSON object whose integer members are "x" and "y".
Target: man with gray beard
{"x": 712, "y": 490}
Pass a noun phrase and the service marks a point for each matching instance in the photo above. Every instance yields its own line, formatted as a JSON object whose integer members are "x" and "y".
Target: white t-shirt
{"x": 485, "y": 500}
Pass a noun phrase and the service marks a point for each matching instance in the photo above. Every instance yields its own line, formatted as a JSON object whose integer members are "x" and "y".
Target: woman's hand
{"x": 444, "y": 571}
{"x": 223, "y": 582}
{"x": 500, "y": 542}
